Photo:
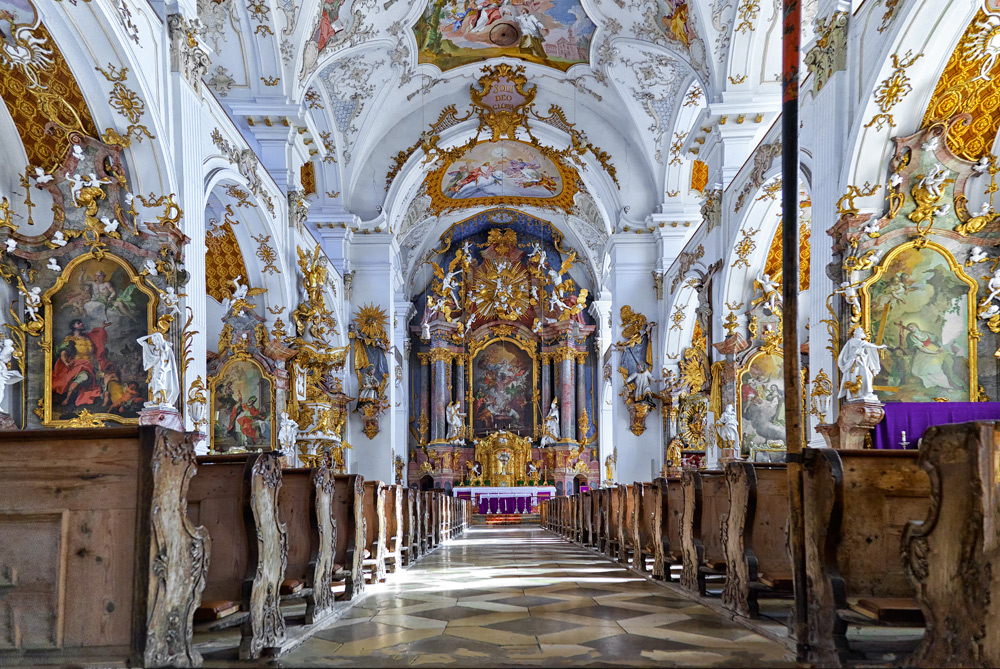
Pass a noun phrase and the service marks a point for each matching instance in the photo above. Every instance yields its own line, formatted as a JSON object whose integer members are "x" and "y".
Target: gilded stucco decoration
{"x": 967, "y": 85}
{"x": 510, "y": 170}
{"x": 38, "y": 88}
{"x": 893, "y": 89}
{"x": 635, "y": 364}
{"x": 371, "y": 364}
{"x": 223, "y": 258}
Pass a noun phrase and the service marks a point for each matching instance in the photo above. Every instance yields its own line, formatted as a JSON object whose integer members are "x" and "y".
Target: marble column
{"x": 546, "y": 384}
{"x": 567, "y": 399}
{"x": 424, "y": 417}
{"x": 439, "y": 393}
{"x": 460, "y": 381}
{"x": 581, "y": 398}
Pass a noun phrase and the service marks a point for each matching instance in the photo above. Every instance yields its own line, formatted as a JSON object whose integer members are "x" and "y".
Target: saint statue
{"x": 859, "y": 364}
{"x": 158, "y": 360}
{"x": 727, "y": 428}
{"x": 288, "y": 430}
{"x": 456, "y": 423}
{"x": 550, "y": 431}
{"x": 8, "y": 376}
{"x": 642, "y": 378}
{"x": 369, "y": 386}
{"x": 531, "y": 470}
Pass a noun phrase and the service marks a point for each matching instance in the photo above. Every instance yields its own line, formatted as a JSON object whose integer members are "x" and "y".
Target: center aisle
{"x": 502, "y": 596}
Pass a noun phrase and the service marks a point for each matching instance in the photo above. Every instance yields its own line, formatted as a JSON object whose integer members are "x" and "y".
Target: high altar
{"x": 504, "y": 370}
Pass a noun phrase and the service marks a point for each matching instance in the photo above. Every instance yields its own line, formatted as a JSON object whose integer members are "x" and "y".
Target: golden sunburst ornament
{"x": 371, "y": 321}
{"x": 501, "y": 290}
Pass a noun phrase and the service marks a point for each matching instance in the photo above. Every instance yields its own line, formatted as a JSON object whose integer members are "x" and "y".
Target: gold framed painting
{"x": 921, "y": 305}
{"x": 243, "y": 399}
{"x": 760, "y": 402}
{"x": 508, "y": 172}
{"x": 502, "y": 387}
{"x": 94, "y": 314}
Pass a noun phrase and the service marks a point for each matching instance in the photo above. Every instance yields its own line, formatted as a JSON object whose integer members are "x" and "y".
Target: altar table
{"x": 916, "y": 417}
{"x": 493, "y": 499}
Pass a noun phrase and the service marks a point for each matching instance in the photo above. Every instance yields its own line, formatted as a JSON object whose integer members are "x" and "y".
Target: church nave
{"x": 521, "y": 596}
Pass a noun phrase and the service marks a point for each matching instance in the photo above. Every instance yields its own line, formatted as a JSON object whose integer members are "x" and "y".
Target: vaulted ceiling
{"x": 356, "y": 82}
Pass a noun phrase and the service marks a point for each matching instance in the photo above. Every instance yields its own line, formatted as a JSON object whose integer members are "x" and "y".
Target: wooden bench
{"x": 706, "y": 500}
{"x": 586, "y": 518}
{"x": 306, "y": 501}
{"x": 430, "y": 520}
{"x": 611, "y": 548}
{"x": 757, "y": 554}
{"x": 235, "y": 497}
{"x": 633, "y": 515}
{"x": 604, "y": 521}
{"x": 410, "y": 542}
{"x": 857, "y": 504}
{"x": 649, "y": 528}
{"x": 394, "y": 527}
{"x": 349, "y": 494}
{"x": 671, "y": 517}
{"x": 376, "y": 526}
{"x": 623, "y": 522}
{"x": 952, "y": 556}
{"x": 99, "y": 563}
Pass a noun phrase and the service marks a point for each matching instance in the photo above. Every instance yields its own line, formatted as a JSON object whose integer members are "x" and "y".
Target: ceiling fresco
{"x": 452, "y": 33}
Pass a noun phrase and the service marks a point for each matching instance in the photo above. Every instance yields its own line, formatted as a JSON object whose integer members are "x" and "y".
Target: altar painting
{"x": 761, "y": 397}
{"x": 918, "y": 306}
{"x": 94, "y": 314}
{"x": 242, "y": 407}
{"x": 452, "y": 33}
{"x": 502, "y": 390}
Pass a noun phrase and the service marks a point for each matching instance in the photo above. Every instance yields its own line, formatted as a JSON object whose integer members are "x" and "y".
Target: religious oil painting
{"x": 556, "y": 33}
{"x": 502, "y": 169}
{"x": 919, "y": 308}
{"x": 762, "y": 404}
{"x": 94, "y": 315}
{"x": 502, "y": 386}
{"x": 242, "y": 407}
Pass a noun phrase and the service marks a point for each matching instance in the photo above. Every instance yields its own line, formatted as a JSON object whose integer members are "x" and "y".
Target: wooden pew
{"x": 671, "y": 516}
{"x": 409, "y": 547}
{"x": 394, "y": 527}
{"x": 429, "y": 518}
{"x": 586, "y": 517}
{"x": 633, "y": 516}
{"x": 952, "y": 556}
{"x": 649, "y": 528}
{"x": 622, "y": 524}
{"x": 99, "y": 563}
{"x": 604, "y": 520}
{"x": 613, "y": 542}
{"x": 595, "y": 517}
{"x": 248, "y": 563}
{"x": 352, "y": 534}
{"x": 757, "y": 553}
{"x": 857, "y": 504}
{"x": 375, "y": 522}
{"x": 305, "y": 502}
{"x": 706, "y": 499}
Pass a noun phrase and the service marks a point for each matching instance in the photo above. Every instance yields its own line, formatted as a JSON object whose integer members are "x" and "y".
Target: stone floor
{"x": 520, "y": 596}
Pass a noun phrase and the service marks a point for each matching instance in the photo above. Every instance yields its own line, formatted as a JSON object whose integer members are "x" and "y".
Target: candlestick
{"x": 903, "y": 442}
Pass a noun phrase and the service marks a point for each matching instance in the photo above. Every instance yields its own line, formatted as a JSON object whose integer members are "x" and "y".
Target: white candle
{"x": 904, "y": 436}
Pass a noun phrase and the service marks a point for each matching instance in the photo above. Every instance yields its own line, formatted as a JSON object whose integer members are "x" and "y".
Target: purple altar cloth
{"x": 494, "y": 505}
{"x": 916, "y": 417}
{"x": 484, "y": 504}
